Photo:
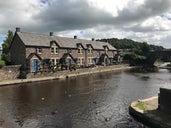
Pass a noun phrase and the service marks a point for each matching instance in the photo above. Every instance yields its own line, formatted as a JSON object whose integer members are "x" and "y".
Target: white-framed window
{"x": 89, "y": 50}
{"x": 82, "y": 60}
{"x": 106, "y": 50}
{"x": 80, "y": 49}
{"x": 89, "y": 60}
{"x": 54, "y": 61}
{"x": 54, "y": 49}
{"x": 78, "y": 61}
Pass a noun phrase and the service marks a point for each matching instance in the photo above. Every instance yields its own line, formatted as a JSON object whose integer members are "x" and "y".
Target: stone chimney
{"x": 17, "y": 30}
{"x": 51, "y": 34}
{"x": 75, "y": 37}
{"x": 92, "y": 39}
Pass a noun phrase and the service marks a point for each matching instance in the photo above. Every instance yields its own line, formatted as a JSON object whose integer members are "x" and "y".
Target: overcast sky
{"x": 140, "y": 20}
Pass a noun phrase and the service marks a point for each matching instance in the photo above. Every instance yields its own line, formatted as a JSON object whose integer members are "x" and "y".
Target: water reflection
{"x": 98, "y": 100}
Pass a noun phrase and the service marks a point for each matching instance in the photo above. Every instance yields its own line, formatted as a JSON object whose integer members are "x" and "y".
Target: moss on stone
{"x": 140, "y": 105}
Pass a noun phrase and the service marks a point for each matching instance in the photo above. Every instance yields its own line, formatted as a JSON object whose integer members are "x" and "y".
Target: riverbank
{"x": 147, "y": 112}
{"x": 64, "y": 74}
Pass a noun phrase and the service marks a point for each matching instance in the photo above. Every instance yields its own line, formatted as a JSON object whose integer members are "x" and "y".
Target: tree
{"x": 145, "y": 47}
{"x": 6, "y": 47}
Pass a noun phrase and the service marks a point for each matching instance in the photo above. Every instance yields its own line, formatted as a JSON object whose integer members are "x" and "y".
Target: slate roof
{"x": 32, "y": 39}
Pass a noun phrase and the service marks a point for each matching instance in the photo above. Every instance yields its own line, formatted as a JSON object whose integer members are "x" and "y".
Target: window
{"x": 57, "y": 61}
{"x": 54, "y": 61}
{"x": 106, "y": 50}
{"x": 39, "y": 50}
{"x": 82, "y": 60}
{"x": 56, "y": 50}
{"x": 80, "y": 49}
{"x": 78, "y": 61}
{"x": 89, "y": 50}
{"x": 52, "y": 50}
{"x": 89, "y": 60}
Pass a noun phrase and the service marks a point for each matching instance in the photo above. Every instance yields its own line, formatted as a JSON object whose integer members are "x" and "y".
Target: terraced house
{"x": 30, "y": 49}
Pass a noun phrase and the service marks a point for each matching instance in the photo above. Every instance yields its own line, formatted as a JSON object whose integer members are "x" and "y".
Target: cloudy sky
{"x": 140, "y": 20}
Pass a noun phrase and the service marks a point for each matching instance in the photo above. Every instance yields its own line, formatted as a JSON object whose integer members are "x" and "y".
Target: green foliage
{"x": 140, "y": 105}
{"x": 138, "y": 51}
{"x": 135, "y": 59}
{"x": 6, "y": 58}
{"x": 130, "y": 44}
{"x": 6, "y": 47}
{"x": 145, "y": 47}
{"x": 2, "y": 63}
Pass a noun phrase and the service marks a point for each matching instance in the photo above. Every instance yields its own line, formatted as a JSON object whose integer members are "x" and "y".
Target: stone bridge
{"x": 165, "y": 56}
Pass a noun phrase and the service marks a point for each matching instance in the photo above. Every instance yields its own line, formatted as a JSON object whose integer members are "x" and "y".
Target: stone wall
{"x": 17, "y": 51}
{"x": 10, "y": 72}
{"x": 165, "y": 100}
{"x": 84, "y": 71}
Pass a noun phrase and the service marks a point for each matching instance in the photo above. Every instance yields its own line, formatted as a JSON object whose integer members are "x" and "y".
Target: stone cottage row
{"x": 30, "y": 49}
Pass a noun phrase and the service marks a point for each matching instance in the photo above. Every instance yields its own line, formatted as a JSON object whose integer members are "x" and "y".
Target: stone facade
{"x": 18, "y": 51}
{"x": 10, "y": 72}
{"x": 30, "y": 50}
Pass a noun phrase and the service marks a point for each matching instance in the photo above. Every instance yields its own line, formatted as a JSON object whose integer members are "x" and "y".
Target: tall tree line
{"x": 6, "y": 47}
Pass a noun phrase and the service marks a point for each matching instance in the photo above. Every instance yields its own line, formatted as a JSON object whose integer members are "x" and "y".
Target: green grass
{"x": 140, "y": 105}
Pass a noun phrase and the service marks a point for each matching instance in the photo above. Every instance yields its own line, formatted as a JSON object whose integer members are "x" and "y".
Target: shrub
{"x": 2, "y": 63}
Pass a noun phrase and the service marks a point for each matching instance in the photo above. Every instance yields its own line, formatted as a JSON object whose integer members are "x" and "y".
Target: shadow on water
{"x": 98, "y": 100}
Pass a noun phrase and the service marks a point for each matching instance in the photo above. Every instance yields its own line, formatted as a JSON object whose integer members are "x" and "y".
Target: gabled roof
{"x": 31, "y": 39}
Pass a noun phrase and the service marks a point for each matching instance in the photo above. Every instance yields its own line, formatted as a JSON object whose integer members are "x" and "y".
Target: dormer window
{"x": 89, "y": 50}
{"x": 80, "y": 49}
{"x": 54, "y": 49}
{"x": 106, "y": 50}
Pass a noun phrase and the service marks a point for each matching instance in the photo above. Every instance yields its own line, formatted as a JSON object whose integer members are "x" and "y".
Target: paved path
{"x": 63, "y": 75}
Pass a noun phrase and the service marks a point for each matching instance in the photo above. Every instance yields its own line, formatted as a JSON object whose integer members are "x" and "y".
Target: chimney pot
{"x": 51, "y": 33}
{"x": 75, "y": 37}
{"x": 17, "y": 29}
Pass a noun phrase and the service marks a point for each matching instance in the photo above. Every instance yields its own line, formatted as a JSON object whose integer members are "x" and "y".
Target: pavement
{"x": 147, "y": 112}
{"x": 19, "y": 81}
{"x": 63, "y": 75}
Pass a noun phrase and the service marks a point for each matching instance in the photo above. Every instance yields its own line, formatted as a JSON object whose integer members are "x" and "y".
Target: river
{"x": 91, "y": 101}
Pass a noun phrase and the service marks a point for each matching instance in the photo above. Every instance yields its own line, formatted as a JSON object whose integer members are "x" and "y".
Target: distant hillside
{"x": 130, "y": 44}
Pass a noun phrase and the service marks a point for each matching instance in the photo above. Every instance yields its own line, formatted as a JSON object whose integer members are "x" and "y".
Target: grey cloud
{"x": 67, "y": 15}
{"x": 150, "y": 8}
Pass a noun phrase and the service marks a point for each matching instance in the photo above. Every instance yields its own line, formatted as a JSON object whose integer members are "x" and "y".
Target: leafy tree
{"x": 138, "y": 50}
{"x": 6, "y": 46}
{"x": 131, "y": 44}
{"x": 145, "y": 47}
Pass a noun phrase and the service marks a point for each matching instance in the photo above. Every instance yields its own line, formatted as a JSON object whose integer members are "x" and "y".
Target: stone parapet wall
{"x": 85, "y": 71}
{"x": 165, "y": 100}
{"x": 10, "y": 72}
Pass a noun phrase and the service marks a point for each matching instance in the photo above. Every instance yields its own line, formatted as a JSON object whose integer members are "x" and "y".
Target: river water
{"x": 92, "y": 101}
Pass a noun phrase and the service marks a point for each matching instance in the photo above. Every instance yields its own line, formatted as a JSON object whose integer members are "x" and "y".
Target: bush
{"x": 135, "y": 59}
{"x": 2, "y": 63}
